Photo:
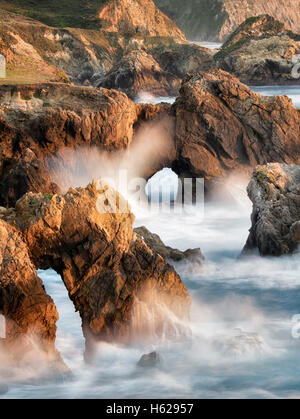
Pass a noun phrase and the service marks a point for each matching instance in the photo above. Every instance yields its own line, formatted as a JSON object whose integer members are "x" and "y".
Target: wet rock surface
{"x": 275, "y": 193}
{"x": 29, "y": 312}
{"x": 216, "y": 126}
{"x": 156, "y": 244}
{"x": 151, "y": 360}
{"x": 50, "y": 119}
{"x": 106, "y": 270}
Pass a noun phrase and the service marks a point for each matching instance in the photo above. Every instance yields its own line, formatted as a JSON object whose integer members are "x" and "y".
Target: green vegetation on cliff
{"x": 59, "y": 13}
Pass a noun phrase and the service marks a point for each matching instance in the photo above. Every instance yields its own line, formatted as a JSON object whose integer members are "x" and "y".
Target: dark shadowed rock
{"x": 138, "y": 71}
{"x": 275, "y": 193}
{"x": 156, "y": 244}
{"x": 28, "y": 174}
{"x": 151, "y": 360}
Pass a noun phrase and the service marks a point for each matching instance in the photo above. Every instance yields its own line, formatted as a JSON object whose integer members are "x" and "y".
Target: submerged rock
{"x": 86, "y": 235}
{"x": 275, "y": 193}
{"x": 156, "y": 244}
{"x": 151, "y": 360}
{"x": 239, "y": 342}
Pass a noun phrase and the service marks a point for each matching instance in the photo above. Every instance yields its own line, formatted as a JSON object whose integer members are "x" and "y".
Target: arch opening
{"x": 2, "y": 327}
{"x": 163, "y": 187}
{"x": 69, "y": 336}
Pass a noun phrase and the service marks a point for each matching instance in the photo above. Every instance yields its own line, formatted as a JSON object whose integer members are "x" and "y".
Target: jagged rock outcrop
{"x": 275, "y": 193}
{"x": 26, "y": 174}
{"x": 112, "y": 277}
{"x": 261, "y": 51}
{"x": 137, "y": 72}
{"x": 151, "y": 360}
{"x": 216, "y": 19}
{"x": 223, "y": 126}
{"x": 50, "y": 118}
{"x": 138, "y": 16}
{"x": 156, "y": 244}
{"x": 216, "y": 126}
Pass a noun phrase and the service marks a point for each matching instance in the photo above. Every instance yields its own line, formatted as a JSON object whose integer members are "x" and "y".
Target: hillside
{"x": 216, "y": 19}
{"x": 123, "y": 16}
{"x": 132, "y": 63}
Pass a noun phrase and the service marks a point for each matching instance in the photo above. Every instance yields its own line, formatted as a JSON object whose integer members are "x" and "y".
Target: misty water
{"x": 241, "y": 344}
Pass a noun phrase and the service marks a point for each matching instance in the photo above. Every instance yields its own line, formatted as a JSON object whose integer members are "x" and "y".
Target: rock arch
{"x": 105, "y": 267}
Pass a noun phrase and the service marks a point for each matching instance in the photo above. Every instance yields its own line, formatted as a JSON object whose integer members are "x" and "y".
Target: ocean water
{"x": 292, "y": 91}
{"x": 244, "y": 341}
{"x": 210, "y": 45}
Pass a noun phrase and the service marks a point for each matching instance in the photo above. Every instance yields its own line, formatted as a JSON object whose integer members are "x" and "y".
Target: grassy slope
{"x": 59, "y": 13}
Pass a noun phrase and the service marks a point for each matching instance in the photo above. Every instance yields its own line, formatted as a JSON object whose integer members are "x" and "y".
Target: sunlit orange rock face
{"x": 221, "y": 126}
{"x": 114, "y": 280}
{"x": 138, "y": 16}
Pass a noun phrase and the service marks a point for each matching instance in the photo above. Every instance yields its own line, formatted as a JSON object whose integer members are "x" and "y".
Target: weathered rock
{"x": 151, "y": 360}
{"x": 261, "y": 51}
{"x": 29, "y": 312}
{"x": 275, "y": 193}
{"x": 53, "y": 116}
{"x": 28, "y": 174}
{"x": 138, "y": 16}
{"x": 89, "y": 241}
{"x": 223, "y": 126}
{"x": 50, "y": 118}
{"x": 138, "y": 71}
{"x": 156, "y": 244}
